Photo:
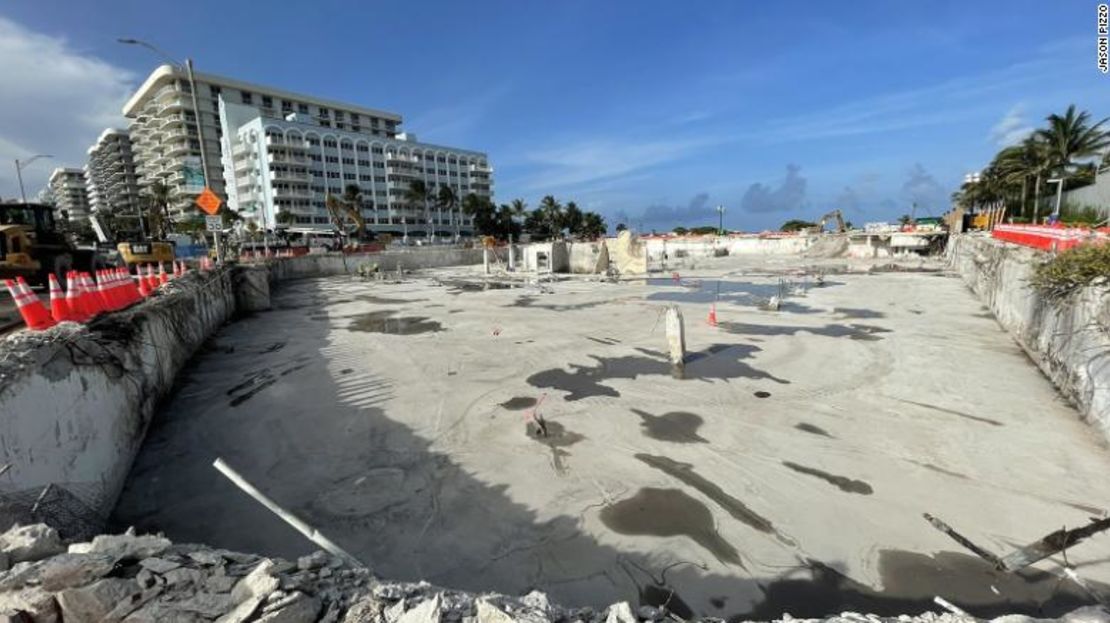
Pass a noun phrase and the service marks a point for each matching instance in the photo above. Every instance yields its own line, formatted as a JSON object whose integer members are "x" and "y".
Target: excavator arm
{"x": 835, "y": 214}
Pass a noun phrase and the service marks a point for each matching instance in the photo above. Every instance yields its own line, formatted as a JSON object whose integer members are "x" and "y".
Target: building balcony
{"x": 293, "y": 193}
{"x": 180, "y": 148}
{"x": 279, "y": 143}
{"x": 289, "y": 158}
{"x": 290, "y": 176}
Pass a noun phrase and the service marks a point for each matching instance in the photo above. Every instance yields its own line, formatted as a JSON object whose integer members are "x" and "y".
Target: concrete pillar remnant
{"x": 485, "y": 260}
{"x": 676, "y": 340}
{"x": 512, "y": 260}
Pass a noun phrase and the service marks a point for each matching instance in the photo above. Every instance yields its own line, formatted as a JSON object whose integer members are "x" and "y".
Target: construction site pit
{"x": 787, "y": 469}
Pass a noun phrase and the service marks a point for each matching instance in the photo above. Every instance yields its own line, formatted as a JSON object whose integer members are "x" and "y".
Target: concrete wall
{"x": 1068, "y": 339}
{"x": 587, "y": 257}
{"x": 323, "y": 264}
{"x": 676, "y": 249}
{"x": 75, "y": 401}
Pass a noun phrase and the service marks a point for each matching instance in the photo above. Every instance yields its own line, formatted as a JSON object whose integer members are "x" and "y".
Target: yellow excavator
{"x": 31, "y": 245}
{"x": 835, "y": 214}
{"x": 341, "y": 210}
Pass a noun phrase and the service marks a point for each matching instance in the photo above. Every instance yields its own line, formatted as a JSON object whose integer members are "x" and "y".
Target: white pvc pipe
{"x": 313, "y": 534}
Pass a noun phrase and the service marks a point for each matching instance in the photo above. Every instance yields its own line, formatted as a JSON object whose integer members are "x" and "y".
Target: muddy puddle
{"x": 863, "y": 332}
{"x": 673, "y": 426}
{"x": 667, "y": 513}
{"x": 718, "y": 362}
{"x": 517, "y": 403}
{"x": 845, "y": 484}
{"x": 386, "y": 322}
{"x": 813, "y": 430}
{"x": 744, "y": 293}
{"x": 685, "y": 473}
{"x": 556, "y": 437}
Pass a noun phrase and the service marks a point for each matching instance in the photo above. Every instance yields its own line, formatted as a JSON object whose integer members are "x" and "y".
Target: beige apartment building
{"x": 70, "y": 192}
{"x": 113, "y": 183}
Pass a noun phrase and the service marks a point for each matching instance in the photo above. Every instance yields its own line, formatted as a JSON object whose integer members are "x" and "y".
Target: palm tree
{"x": 550, "y": 216}
{"x": 572, "y": 219}
{"x": 418, "y": 193}
{"x": 446, "y": 200}
{"x": 593, "y": 225}
{"x": 1071, "y": 136}
{"x": 157, "y": 202}
{"x": 519, "y": 207}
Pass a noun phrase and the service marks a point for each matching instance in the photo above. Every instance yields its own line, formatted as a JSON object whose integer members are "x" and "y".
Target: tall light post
{"x": 22, "y": 164}
{"x": 720, "y": 220}
{"x": 188, "y": 66}
{"x": 1059, "y": 181}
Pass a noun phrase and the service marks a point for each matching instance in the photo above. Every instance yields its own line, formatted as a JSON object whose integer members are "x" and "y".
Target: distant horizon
{"x": 648, "y": 113}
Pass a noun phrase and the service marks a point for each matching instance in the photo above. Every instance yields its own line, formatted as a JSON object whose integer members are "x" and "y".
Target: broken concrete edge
{"x": 77, "y": 399}
{"x": 1067, "y": 338}
{"x": 148, "y": 578}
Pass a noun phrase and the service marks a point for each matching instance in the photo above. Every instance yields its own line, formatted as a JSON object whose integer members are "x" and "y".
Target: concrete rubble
{"x": 142, "y": 578}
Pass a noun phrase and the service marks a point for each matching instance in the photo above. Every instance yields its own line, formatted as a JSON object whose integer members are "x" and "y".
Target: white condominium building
{"x": 274, "y": 166}
{"x": 113, "y": 183}
{"x": 71, "y": 199}
{"x": 168, "y": 131}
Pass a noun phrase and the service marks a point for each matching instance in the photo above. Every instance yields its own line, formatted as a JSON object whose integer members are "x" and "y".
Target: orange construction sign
{"x": 209, "y": 202}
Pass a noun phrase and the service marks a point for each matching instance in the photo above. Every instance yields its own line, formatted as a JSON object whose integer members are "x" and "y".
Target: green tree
{"x": 571, "y": 219}
{"x": 681, "y": 231}
{"x": 593, "y": 226}
{"x": 797, "y": 225}
{"x": 1071, "y": 136}
{"x": 621, "y": 227}
{"x": 446, "y": 199}
{"x": 519, "y": 207}
{"x": 418, "y": 194}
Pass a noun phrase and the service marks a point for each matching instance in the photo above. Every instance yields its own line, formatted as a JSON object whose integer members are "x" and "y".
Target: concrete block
{"x": 30, "y": 543}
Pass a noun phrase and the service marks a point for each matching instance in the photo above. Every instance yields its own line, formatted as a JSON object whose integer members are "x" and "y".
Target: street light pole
{"x": 720, "y": 220}
{"x": 188, "y": 66}
{"x": 19, "y": 166}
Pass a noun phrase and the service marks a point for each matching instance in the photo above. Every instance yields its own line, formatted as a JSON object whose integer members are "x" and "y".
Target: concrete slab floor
{"x": 787, "y": 471}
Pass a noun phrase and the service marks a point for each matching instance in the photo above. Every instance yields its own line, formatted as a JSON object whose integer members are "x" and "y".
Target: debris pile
{"x": 136, "y": 578}
{"x": 145, "y": 578}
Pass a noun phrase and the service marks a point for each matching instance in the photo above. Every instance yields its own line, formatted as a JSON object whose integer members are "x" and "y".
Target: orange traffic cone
{"x": 126, "y": 287}
{"x": 58, "y": 308}
{"x": 163, "y": 279}
{"x": 100, "y": 290}
{"x": 144, "y": 289}
{"x": 90, "y": 302}
{"x": 712, "y": 315}
{"x": 151, "y": 278}
{"x": 30, "y": 307}
{"x": 73, "y": 298}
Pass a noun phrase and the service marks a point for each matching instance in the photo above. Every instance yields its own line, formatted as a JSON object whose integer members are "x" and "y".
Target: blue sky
{"x": 648, "y": 112}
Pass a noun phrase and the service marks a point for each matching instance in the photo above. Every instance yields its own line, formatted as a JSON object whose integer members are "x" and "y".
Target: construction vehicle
{"x": 339, "y": 210}
{"x": 32, "y": 247}
{"x": 835, "y": 214}
{"x": 133, "y": 252}
{"x": 149, "y": 252}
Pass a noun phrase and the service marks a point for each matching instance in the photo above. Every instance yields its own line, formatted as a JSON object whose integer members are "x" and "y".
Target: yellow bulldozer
{"x": 32, "y": 247}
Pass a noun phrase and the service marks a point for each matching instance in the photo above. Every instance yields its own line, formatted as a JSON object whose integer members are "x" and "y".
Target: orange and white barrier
{"x": 1048, "y": 237}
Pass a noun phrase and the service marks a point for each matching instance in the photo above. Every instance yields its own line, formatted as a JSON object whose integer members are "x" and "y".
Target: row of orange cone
{"x": 84, "y": 298}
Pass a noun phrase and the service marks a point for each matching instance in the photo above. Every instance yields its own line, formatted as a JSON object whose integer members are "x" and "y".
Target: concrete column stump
{"x": 676, "y": 340}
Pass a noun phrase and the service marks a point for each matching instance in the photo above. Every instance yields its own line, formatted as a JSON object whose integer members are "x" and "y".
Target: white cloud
{"x": 55, "y": 100}
{"x": 1012, "y": 128}
{"x": 591, "y": 160}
